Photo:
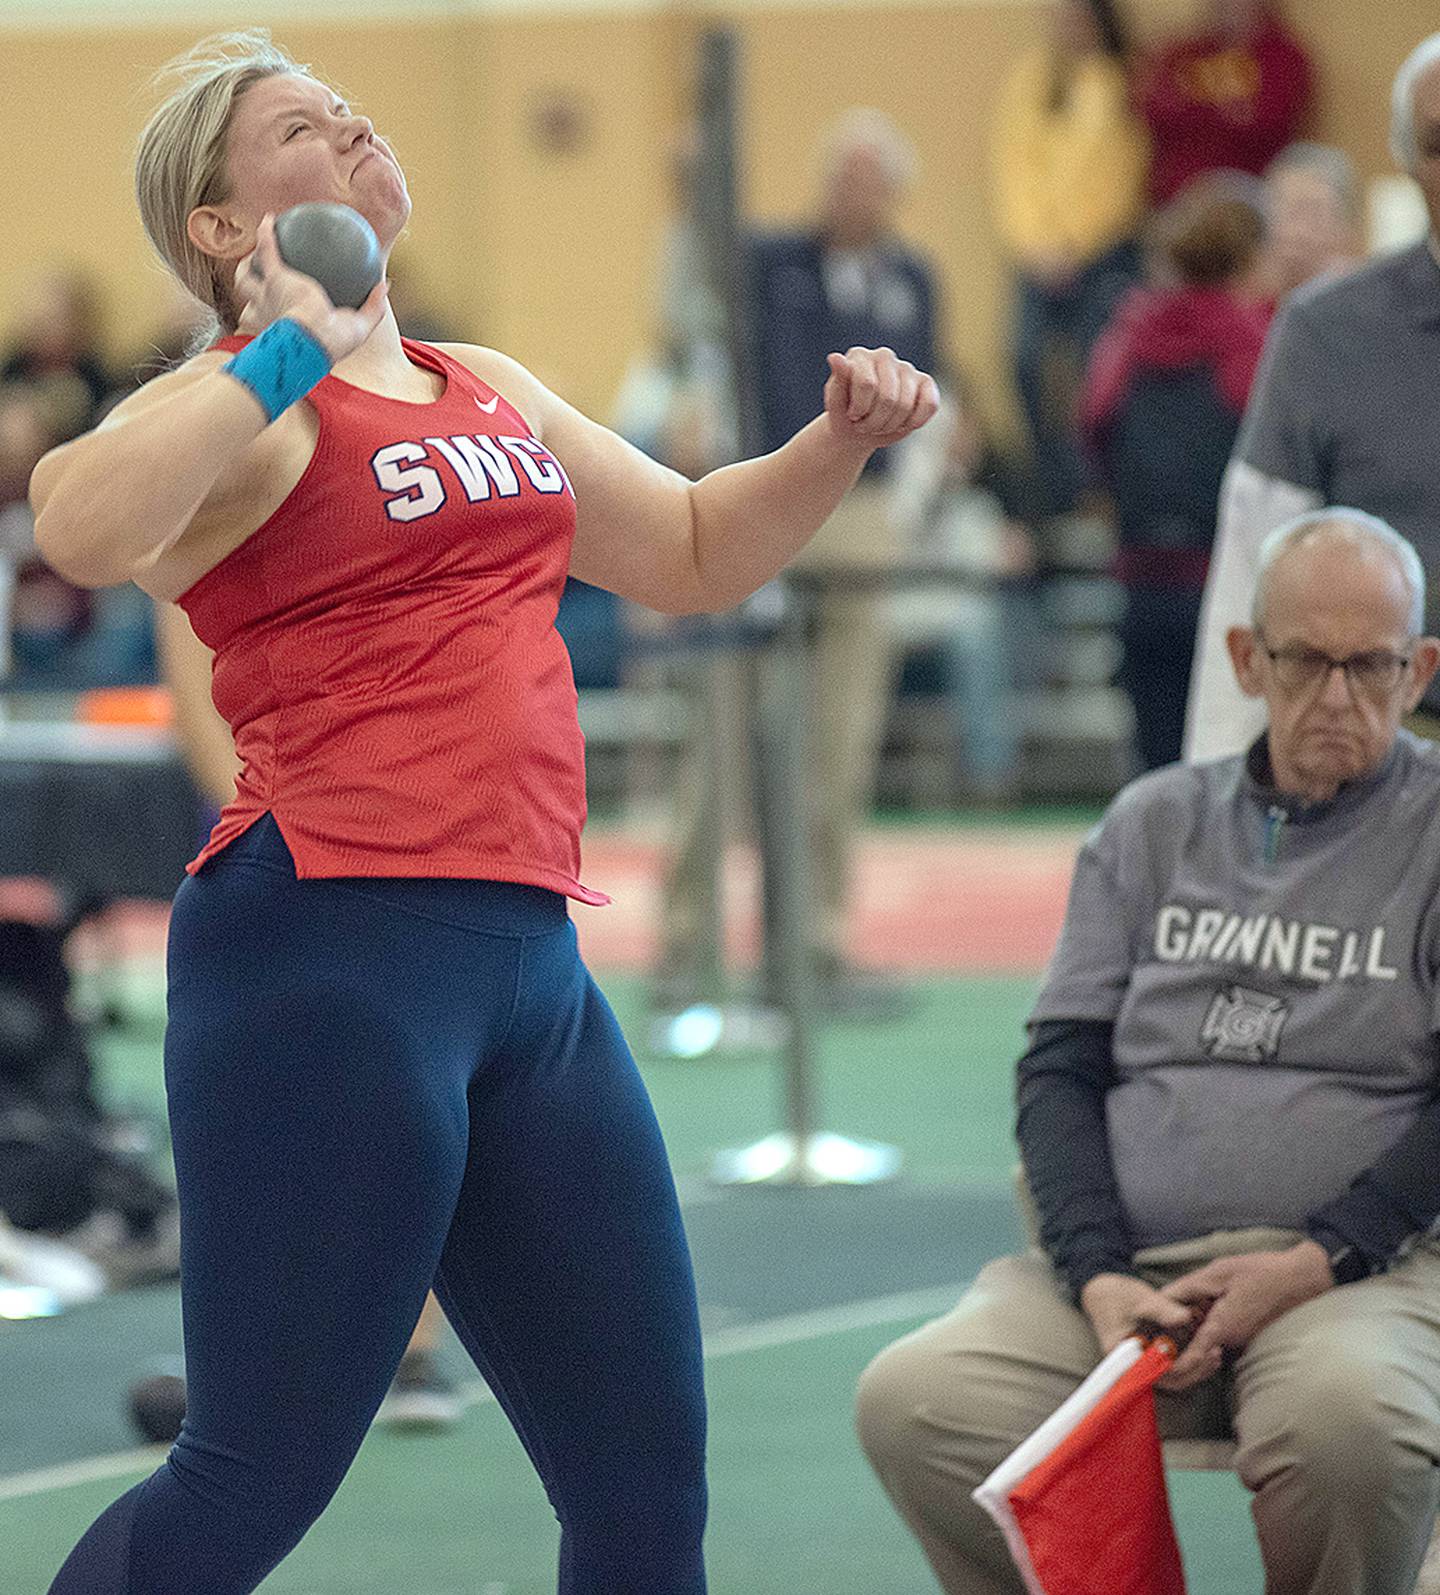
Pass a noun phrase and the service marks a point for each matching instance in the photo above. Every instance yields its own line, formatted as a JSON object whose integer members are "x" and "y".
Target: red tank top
{"x": 385, "y": 646}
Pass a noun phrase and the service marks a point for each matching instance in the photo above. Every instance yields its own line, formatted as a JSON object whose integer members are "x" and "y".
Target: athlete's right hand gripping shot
{"x": 386, "y": 1065}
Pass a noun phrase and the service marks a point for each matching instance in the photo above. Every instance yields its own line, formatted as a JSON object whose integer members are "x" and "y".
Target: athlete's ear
{"x": 1245, "y": 657}
{"x": 214, "y": 231}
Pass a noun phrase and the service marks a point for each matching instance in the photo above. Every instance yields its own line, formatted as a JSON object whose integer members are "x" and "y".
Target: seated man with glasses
{"x": 1230, "y": 1112}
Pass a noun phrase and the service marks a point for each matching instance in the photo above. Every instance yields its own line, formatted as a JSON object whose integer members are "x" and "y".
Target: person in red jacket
{"x": 386, "y": 1064}
{"x": 1161, "y": 407}
{"x": 1231, "y": 95}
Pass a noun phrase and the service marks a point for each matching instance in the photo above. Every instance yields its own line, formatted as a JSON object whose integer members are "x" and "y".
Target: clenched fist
{"x": 873, "y": 397}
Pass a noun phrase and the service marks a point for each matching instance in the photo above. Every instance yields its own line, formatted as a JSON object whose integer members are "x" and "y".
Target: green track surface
{"x": 794, "y": 1507}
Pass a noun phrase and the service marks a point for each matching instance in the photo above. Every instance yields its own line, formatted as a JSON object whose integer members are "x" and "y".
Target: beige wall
{"x": 550, "y": 255}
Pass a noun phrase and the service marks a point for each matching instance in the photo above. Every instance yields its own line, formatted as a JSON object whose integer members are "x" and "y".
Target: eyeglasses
{"x": 1375, "y": 673}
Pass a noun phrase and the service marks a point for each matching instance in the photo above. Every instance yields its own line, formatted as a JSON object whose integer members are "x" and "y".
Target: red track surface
{"x": 984, "y": 900}
{"x": 977, "y": 901}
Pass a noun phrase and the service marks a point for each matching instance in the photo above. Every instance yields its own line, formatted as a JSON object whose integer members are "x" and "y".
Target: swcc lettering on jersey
{"x": 418, "y": 477}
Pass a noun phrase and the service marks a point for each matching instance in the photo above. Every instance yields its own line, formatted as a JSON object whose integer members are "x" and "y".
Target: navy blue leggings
{"x": 376, "y": 1085}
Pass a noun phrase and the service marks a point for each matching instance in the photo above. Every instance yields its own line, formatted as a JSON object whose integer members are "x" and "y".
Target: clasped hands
{"x": 1227, "y": 1303}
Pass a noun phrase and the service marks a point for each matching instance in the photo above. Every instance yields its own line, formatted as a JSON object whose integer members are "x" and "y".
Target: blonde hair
{"x": 180, "y": 163}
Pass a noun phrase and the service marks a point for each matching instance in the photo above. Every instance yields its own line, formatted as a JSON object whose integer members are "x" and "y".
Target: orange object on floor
{"x": 126, "y": 706}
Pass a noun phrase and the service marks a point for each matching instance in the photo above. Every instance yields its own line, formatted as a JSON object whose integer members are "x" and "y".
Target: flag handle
{"x": 1172, "y": 1340}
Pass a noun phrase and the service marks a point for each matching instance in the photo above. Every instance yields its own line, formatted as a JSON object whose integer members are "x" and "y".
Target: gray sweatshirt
{"x": 1270, "y": 970}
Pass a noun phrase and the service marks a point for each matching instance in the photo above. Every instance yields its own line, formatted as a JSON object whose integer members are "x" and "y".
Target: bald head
{"x": 1334, "y": 649}
{"x": 1334, "y": 549}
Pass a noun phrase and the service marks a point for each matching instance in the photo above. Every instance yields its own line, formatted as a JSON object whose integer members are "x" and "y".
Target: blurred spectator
{"x": 48, "y": 617}
{"x": 55, "y": 348}
{"x": 1346, "y": 410}
{"x": 846, "y": 279}
{"x": 24, "y": 436}
{"x": 1162, "y": 407}
{"x": 1313, "y": 209}
{"x": 1230, "y": 96}
{"x": 60, "y": 637}
{"x": 961, "y": 505}
{"x": 23, "y": 439}
{"x": 1069, "y": 175}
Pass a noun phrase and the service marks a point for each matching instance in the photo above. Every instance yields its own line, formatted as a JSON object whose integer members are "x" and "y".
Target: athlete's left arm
{"x": 681, "y": 547}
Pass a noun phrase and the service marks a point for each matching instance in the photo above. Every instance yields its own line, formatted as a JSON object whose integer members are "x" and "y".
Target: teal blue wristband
{"x": 280, "y": 366}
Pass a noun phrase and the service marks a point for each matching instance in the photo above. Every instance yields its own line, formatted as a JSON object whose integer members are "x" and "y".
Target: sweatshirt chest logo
{"x": 1244, "y": 1026}
{"x": 1270, "y": 944}
{"x": 419, "y": 477}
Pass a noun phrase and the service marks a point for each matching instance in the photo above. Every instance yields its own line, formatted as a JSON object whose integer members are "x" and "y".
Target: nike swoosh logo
{"x": 489, "y": 408}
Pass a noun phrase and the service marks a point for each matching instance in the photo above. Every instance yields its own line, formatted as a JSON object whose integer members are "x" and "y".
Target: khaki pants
{"x": 1335, "y": 1407}
{"x": 851, "y": 676}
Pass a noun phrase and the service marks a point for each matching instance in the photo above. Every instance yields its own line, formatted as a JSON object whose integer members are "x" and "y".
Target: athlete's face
{"x": 294, "y": 140}
{"x": 1342, "y": 599}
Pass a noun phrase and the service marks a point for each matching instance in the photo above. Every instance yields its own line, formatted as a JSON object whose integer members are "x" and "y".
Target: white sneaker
{"x": 421, "y": 1397}
{"x": 36, "y": 1262}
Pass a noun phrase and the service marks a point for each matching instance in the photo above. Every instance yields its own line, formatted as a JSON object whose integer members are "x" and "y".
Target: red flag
{"x": 1082, "y": 1502}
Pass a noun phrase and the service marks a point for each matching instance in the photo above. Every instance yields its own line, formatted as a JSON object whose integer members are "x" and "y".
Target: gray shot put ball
{"x": 333, "y": 244}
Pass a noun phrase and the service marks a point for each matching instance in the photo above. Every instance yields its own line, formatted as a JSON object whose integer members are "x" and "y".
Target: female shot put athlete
{"x": 386, "y": 1064}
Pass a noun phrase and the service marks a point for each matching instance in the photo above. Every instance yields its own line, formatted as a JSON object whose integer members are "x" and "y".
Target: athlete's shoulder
{"x": 483, "y": 362}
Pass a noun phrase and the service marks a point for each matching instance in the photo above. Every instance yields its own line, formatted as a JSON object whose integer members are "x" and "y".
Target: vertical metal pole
{"x": 787, "y": 867}
{"x": 710, "y": 893}
{"x": 714, "y": 215}
{"x": 799, "y": 1155}
{"x": 717, "y": 217}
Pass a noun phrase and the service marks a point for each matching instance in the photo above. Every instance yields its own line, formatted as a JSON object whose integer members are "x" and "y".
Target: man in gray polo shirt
{"x": 1230, "y": 1109}
{"x": 1345, "y": 410}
